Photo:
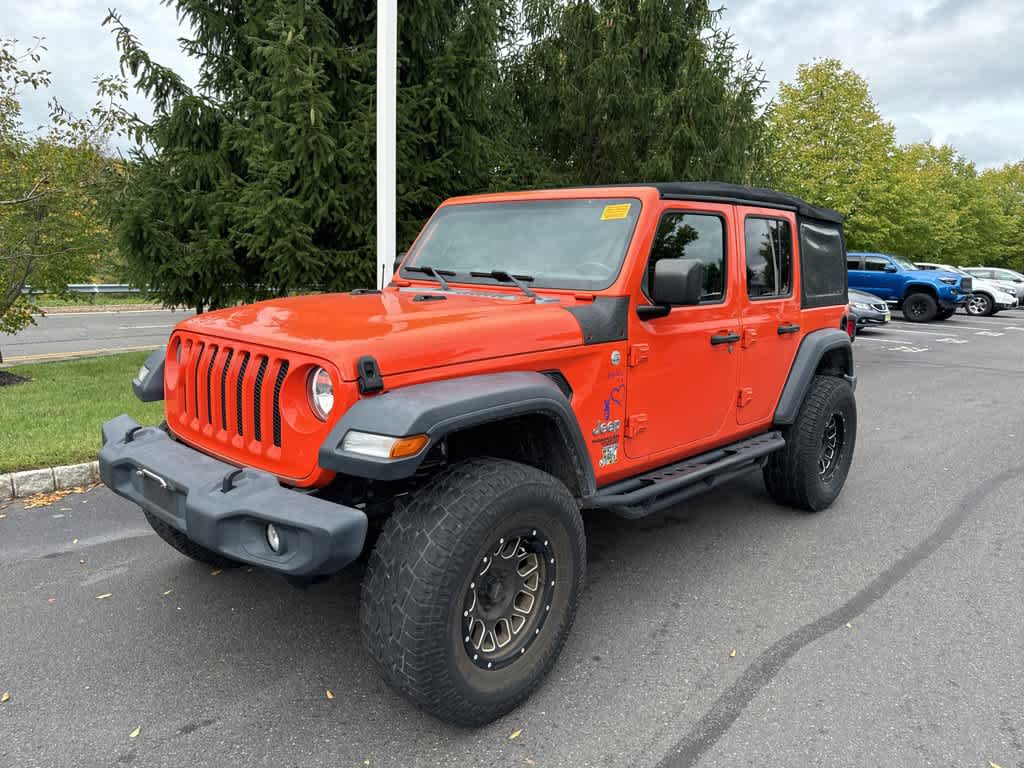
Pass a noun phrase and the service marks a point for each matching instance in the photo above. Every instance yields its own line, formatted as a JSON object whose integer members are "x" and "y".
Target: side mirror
{"x": 890, "y": 268}
{"x": 677, "y": 282}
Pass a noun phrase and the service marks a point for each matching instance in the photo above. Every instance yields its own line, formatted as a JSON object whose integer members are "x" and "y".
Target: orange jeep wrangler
{"x": 538, "y": 353}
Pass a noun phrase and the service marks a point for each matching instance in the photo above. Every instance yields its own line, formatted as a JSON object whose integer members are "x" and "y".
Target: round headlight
{"x": 321, "y": 393}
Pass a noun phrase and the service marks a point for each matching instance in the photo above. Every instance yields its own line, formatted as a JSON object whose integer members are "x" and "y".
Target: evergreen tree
{"x": 261, "y": 179}
{"x": 637, "y": 90}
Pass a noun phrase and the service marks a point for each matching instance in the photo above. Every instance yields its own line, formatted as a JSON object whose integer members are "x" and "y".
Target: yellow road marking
{"x": 16, "y": 359}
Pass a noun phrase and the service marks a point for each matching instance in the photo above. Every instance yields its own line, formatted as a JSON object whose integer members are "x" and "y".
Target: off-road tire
{"x": 920, "y": 308}
{"x": 792, "y": 475}
{"x": 412, "y": 619}
{"x": 980, "y": 305}
{"x": 186, "y": 546}
{"x": 945, "y": 314}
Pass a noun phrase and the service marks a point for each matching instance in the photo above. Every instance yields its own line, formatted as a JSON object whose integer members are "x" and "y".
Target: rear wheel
{"x": 472, "y": 588}
{"x": 811, "y": 470}
{"x": 920, "y": 308}
{"x": 186, "y": 546}
{"x": 980, "y": 305}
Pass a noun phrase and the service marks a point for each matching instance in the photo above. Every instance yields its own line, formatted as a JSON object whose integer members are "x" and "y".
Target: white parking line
{"x": 137, "y": 327}
{"x": 957, "y": 326}
{"x": 898, "y": 342}
{"x": 907, "y": 330}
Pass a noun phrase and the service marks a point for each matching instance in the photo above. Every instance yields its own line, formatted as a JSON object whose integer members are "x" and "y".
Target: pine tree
{"x": 261, "y": 179}
{"x": 637, "y": 90}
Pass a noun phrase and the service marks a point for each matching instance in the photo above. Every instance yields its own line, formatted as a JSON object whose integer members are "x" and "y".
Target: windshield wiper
{"x": 520, "y": 281}
{"x": 437, "y": 274}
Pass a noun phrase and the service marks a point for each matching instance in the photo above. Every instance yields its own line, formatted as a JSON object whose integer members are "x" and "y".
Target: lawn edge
{"x": 28, "y": 482}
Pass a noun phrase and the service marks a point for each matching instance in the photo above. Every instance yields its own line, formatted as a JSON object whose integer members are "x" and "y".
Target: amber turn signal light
{"x": 408, "y": 446}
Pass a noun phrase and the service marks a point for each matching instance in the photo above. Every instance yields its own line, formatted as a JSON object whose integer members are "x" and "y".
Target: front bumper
{"x": 227, "y": 509}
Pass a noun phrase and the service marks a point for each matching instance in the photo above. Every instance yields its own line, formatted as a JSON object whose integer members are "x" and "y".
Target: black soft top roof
{"x": 719, "y": 191}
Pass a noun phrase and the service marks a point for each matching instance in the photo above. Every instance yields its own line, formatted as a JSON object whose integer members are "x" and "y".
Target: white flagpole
{"x": 387, "y": 107}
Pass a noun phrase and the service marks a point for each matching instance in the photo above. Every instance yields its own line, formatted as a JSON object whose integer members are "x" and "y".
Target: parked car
{"x": 923, "y": 295}
{"x": 987, "y": 297}
{"x": 1011, "y": 280}
{"x": 538, "y": 354}
{"x": 867, "y": 309}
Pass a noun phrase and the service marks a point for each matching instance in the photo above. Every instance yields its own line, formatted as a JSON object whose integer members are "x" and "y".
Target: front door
{"x": 683, "y": 367}
{"x": 771, "y": 315}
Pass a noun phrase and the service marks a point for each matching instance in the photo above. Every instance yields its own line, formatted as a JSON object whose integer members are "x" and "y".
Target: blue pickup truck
{"x": 923, "y": 295}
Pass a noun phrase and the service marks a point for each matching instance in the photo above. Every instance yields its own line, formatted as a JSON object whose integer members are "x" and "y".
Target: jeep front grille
{"x": 248, "y": 404}
{"x": 213, "y": 371}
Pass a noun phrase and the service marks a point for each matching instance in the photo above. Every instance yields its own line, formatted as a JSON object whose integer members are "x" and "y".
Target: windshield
{"x": 903, "y": 263}
{"x": 577, "y": 244}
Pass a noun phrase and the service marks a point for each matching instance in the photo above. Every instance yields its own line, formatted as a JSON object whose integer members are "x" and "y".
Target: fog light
{"x": 273, "y": 538}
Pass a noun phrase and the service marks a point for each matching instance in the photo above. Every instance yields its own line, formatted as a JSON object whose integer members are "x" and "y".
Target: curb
{"x": 78, "y": 309}
{"x": 19, "y": 485}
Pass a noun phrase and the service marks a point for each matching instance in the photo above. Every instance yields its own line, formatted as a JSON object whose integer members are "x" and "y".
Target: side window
{"x": 875, "y": 264}
{"x": 853, "y": 262}
{"x": 693, "y": 236}
{"x": 769, "y": 245}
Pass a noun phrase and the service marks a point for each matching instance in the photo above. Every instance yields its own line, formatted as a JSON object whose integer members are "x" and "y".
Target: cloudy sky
{"x": 941, "y": 70}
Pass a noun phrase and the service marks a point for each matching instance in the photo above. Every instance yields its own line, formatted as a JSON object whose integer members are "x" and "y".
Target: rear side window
{"x": 853, "y": 263}
{"x": 822, "y": 264}
{"x": 693, "y": 236}
{"x": 875, "y": 264}
{"x": 769, "y": 246}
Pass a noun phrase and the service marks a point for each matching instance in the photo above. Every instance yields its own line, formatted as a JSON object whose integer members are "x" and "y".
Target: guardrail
{"x": 93, "y": 288}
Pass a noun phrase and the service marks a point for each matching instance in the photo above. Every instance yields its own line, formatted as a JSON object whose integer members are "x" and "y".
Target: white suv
{"x": 987, "y": 297}
{"x": 1010, "y": 281}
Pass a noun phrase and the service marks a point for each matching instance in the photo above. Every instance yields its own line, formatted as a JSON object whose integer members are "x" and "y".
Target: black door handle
{"x": 784, "y": 329}
{"x": 728, "y": 338}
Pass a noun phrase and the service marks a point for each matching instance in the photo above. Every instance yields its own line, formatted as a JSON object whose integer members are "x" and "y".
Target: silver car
{"x": 1014, "y": 281}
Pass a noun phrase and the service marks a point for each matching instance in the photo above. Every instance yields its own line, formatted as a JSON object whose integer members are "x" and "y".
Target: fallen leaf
{"x": 104, "y": 596}
{"x": 136, "y": 732}
{"x": 3, "y": 517}
{"x": 46, "y": 499}
{"x": 366, "y": 762}
{"x": 732, "y": 654}
{"x": 849, "y": 625}
{"x": 530, "y": 762}
{"x": 51, "y": 599}
{"x": 215, "y": 573}
{"x": 74, "y": 541}
{"x": 993, "y": 765}
{"x": 515, "y": 734}
{"x": 330, "y": 694}
{"x": 81, "y": 562}
{"x": 168, "y": 592}
{"x": 5, "y": 697}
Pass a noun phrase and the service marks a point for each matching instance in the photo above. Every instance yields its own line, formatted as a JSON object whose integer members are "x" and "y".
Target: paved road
{"x": 59, "y": 336}
{"x": 886, "y": 631}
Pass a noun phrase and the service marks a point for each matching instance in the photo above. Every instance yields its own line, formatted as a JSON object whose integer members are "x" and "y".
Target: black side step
{"x": 661, "y": 488}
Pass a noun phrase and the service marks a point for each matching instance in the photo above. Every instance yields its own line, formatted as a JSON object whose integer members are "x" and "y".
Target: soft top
{"x": 720, "y": 191}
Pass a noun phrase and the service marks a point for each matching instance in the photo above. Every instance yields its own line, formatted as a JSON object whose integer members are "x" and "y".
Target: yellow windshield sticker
{"x": 615, "y": 212}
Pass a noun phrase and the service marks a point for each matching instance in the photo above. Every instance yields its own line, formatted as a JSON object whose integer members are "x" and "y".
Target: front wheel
{"x": 980, "y": 305}
{"x": 811, "y": 470}
{"x": 472, "y": 588}
{"x": 945, "y": 314}
{"x": 920, "y": 308}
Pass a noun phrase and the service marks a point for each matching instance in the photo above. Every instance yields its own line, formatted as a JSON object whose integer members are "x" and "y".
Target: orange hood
{"x": 403, "y": 334}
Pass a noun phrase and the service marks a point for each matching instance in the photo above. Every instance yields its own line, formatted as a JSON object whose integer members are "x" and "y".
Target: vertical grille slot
{"x": 257, "y": 398}
{"x": 209, "y": 381}
{"x": 238, "y": 392}
{"x": 195, "y": 379}
{"x": 223, "y": 391}
{"x": 281, "y": 373}
{"x": 186, "y": 355}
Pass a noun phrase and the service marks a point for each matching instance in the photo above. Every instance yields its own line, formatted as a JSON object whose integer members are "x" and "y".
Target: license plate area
{"x": 161, "y": 495}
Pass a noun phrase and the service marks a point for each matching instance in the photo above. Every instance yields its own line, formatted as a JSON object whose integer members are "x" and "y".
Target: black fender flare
{"x": 438, "y": 408}
{"x": 813, "y": 348}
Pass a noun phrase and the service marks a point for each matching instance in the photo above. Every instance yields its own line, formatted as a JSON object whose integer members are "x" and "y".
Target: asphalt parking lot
{"x": 885, "y": 631}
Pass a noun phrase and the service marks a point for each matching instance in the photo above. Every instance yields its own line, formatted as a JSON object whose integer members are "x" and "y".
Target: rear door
{"x": 770, "y": 318}
{"x": 682, "y": 368}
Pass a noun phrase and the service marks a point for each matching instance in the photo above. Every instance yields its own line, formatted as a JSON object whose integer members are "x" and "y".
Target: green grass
{"x": 95, "y": 299}
{"x": 55, "y": 418}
